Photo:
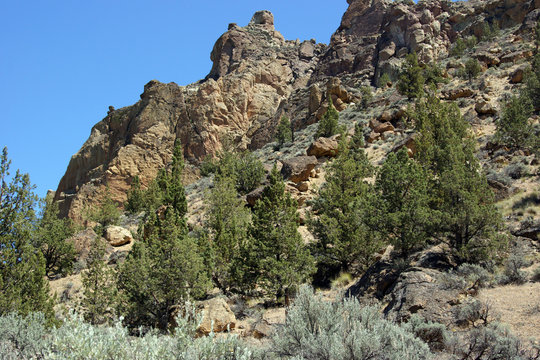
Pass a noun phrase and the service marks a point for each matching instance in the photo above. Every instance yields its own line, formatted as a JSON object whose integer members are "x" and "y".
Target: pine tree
{"x": 284, "y": 131}
{"x": 282, "y": 261}
{"x": 342, "y": 207}
{"x": 23, "y": 287}
{"x": 51, "y": 237}
{"x": 402, "y": 202}
{"x": 411, "y": 79}
{"x": 99, "y": 287}
{"x": 227, "y": 220}
{"x": 328, "y": 125}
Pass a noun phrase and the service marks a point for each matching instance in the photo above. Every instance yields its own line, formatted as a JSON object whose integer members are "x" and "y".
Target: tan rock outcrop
{"x": 298, "y": 168}
{"x": 323, "y": 147}
{"x": 216, "y": 316}
{"x": 117, "y": 235}
{"x": 254, "y": 72}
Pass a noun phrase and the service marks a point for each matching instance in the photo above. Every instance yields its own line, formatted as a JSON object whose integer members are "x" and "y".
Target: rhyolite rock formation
{"x": 257, "y": 76}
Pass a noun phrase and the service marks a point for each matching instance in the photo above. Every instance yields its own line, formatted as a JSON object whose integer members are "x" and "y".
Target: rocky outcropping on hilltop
{"x": 257, "y": 76}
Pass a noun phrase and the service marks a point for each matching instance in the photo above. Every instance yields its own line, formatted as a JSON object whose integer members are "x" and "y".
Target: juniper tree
{"x": 227, "y": 221}
{"x": 513, "y": 127}
{"x": 341, "y": 210}
{"x": 165, "y": 268}
{"x": 162, "y": 270}
{"x": 461, "y": 196}
{"x": 402, "y": 202}
{"x": 281, "y": 261}
{"x": 99, "y": 286}
{"x": 411, "y": 80}
{"x": 135, "y": 197}
{"x": 284, "y": 131}
{"x": 23, "y": 288}
{"x": 50, "y": 238}
{"x": 244, "y": 169}
{"x": 106, "y": 214}
{"x": 328, "y": 125}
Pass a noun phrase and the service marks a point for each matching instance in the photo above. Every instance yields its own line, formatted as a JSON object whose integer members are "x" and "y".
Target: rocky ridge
{"x": 257, "y": 76}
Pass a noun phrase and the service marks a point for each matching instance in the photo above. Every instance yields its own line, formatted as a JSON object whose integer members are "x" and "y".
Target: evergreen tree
{"x": 163, "y": 270}
{"x": 244, "y": 169}
{"x": 135, "y": 197}
{"x": 282, "y": 261}
{"x": 106, "y": 214}
{"x": 328, "y": 125}
{"x": 227, "y": 220}
{"x": 99, "y": 286}
{"x": 402, "y": 202}
{"x": 284, "y": 131}
{"x": 23, "y": 287}
{"x": 51, "y": 237}
{"x": 411, "y": 80}
{"x": 170, "y": 183}
{"x": 513, "y": 127}
{"x": 461, "y": 197}
{"x": 341, "y": 209}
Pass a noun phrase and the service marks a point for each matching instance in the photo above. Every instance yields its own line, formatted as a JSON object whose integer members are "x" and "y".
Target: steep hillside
{"x": 257, "y": 76}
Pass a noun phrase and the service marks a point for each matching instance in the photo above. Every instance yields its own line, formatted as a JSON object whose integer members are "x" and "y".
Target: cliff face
{"x": 256, "y": 77}
{"x": 254, "y": 71}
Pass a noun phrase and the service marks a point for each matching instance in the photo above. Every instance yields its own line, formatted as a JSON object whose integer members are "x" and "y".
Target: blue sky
{"x": 63, "y": 63}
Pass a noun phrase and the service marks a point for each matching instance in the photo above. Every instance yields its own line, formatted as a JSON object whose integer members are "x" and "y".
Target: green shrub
{"x": 107, "y": 213}
{"x": 22, "y": 337}
{"x": 328, "y": 125}
{"x": 472, "y": 69}
{"x": 490, "y": 31}
{"x": 367, "y": 96}
{"x": 135, "y": 197}
{"x": 244, "y": 169}
{"x": 513, "y": 127}
{"x": 512, "y": 270}
{"x": 383, "y": 81}
{"x": 208, "y": 166}
{"x": 318, "y": 329}
{"x": 491, "y": 342}
{"x": 433, "y": 75}
{"x": 284, "y": 131}
{"x": 536, "y": 275}
{"x": 461, "y": 45}
{"x": 411, "y": 79}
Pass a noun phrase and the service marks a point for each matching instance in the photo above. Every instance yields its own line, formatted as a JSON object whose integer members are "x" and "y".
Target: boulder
{"x": 454, "y": 94}
{"x": 484, "y": 107}
{"x": 217, "y": 316}
{"x": 323, "y": 147}
{"x": 384, "y": 127}
{"x": 255, "y": 195}
{"x": 298, "y": 168}
{"x": 117, "y": 235}
{"x": 302, "y": 186}
{"x": 83, "y": 240}
{"x": 487, "y": 58}
{"x": 261, "y": 329}
{"x": 373, "y": 136}
{"x": 517, "y": 76}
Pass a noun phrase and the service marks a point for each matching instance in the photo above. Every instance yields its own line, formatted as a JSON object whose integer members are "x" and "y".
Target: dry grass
{"x": 518, "y": 306}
